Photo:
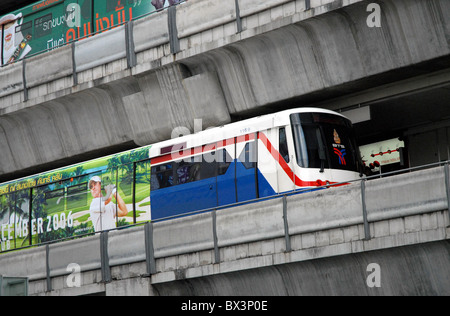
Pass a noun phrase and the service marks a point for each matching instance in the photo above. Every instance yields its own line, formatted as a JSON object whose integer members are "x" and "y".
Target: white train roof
{"x": 244, "y": 127}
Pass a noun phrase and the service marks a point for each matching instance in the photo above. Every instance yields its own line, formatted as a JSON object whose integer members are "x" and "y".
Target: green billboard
{"x": 48, "y": 24}
{"x": 85, "y": 198}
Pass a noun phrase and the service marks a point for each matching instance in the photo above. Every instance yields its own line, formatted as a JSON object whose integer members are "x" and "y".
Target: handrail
{"x": 149, "y": 243}
{"x": 283, "y": 195}
{"x": 91, "y": 34}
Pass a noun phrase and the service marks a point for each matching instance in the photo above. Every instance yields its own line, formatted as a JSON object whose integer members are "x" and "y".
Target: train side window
{"x": 162, "y": 177}
{"x": 54, "y": 200}
{"x": 187, "y": 171}
{"x": 54, "y": 194}
{"x": 77, "y": 195}
{"x": 284, "y": 151}
{"x": 195, "y": 169}
{"x": 224, "y": 161}
{"x": 208, "y": 169}
{"x": 248, "y": 156}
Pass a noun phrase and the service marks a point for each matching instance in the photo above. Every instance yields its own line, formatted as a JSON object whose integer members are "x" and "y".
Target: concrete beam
{"x": 142, "y": 110}
{"x": 418, "y": 270}
{"x": 405, "y": 212}
{"x": 285, "y": 56}
{"x": 332, "y": 54}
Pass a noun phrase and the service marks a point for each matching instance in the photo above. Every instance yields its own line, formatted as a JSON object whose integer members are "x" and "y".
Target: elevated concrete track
{"x": 327, "y": 242}
{"x": 133, "y": 85}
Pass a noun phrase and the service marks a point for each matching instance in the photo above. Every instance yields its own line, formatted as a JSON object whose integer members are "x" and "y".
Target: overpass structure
{"x": 386, "y": 236}
{"x": 220, "y": 61}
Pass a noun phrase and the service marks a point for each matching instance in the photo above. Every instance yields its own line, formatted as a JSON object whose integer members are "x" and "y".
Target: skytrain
{"x": 296, "y": 149}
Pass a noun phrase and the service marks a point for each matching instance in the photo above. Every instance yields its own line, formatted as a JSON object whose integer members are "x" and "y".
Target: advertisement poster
{"x": 86, "y": 198}
{"x": 385, "y": 152}
{"x": 49, "y": 24}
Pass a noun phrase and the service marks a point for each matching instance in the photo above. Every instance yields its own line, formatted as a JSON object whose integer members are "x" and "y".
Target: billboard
{"x": 49, "y": 24}
{"x": 90, "y": 197}
{"x": 385, "y": 152}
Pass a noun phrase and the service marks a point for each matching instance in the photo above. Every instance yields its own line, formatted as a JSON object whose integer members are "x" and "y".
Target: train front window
{"x": 324, "y": 141}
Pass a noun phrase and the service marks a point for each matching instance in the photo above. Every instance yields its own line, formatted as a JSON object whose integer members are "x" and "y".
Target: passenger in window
{"x": 183, "y": 174}
{"x": 168, "y": 176}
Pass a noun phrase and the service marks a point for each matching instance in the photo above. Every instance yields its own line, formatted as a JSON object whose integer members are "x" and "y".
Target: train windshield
{"x": 325, "y": 141}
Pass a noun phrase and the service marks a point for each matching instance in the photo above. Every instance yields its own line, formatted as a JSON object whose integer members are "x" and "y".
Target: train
{"x": 292, "y": 150}
{"x": 49, "y": 24}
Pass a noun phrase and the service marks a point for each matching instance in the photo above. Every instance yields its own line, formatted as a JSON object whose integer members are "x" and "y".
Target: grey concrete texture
{"x": 417, "y": 270}
{"x": 329, "y": 252}
{"x": 284, "y": 56}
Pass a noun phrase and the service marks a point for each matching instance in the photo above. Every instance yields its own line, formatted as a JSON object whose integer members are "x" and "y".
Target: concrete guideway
{"x": 317, "y": 243}
{"x": 224, "y": 65}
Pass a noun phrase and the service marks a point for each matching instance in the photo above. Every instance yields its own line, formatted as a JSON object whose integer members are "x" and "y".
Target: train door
{"x": 141, "y": 196}
{"x": 285, "y": 174}
{"x": 267, "y": 162}
{"x": 246, "y": 168}
{"x": 226, "y": 184}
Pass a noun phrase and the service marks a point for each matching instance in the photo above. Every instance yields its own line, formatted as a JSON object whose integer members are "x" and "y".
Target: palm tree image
{"x": 56, "y": 205}
{"x": 14, "y": 209}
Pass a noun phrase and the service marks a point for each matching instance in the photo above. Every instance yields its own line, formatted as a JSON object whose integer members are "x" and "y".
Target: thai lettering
{"x": 22, "y": 186}
{"x": 101, "y": 24}
{"x": 105, "y": 23}
{"x": 52, "y": 43}
{"x": 44, "y": 4}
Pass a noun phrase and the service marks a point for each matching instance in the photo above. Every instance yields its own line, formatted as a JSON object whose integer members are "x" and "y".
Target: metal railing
{"x": 149, "y": 227}
{"x": 283, "y": 195}
{"x": 91, "y": 34}
{"x": 173, "y": 38}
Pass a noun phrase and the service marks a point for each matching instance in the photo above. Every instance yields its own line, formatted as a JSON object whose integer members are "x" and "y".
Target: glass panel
{"x": 162, "y": 177}
{"x": 248, "y": 156}
{"x": 123, "y": 196}
{"x": 14, "y": 219}
{"x": 78, "y": 199}
{"x": 224, "y": 161}
{"x": 142, "y": 189}
{"x": 324, "y": 141}
{"x": 284, "y": 152}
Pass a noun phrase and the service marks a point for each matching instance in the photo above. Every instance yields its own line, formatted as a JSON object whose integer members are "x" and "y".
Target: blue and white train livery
{"x": 254, "y": 158}
{"x": 238, "y": 162}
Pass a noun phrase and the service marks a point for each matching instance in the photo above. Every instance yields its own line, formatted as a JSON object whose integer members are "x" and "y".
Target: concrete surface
{"x": 418, "y": 270}
{"x": 285, "y": 55}
{"x": 327, "y": 254}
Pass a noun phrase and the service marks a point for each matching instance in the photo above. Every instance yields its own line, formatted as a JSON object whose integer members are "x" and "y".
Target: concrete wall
{"x": 316, "y": 231}
{"x": 282, "y": 57}
{"x": 418, "y": 270}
